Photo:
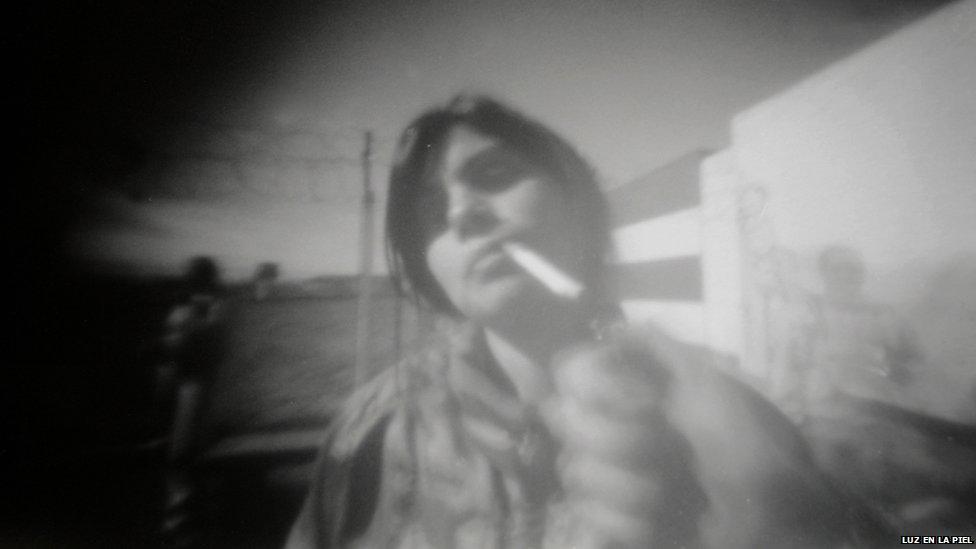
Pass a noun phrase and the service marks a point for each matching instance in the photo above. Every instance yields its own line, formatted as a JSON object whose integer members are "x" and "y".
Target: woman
{"x": 536, "y": 422}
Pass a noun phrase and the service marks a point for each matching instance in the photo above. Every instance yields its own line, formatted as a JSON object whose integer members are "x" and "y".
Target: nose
{"x": 469, "y": 213}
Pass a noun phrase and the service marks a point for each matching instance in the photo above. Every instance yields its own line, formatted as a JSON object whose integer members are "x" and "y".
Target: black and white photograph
{"x": 593, "y": 274}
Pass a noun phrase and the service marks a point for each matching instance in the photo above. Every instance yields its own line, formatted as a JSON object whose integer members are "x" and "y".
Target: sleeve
{"x": 317, "y": 525}
{"x": 351, "y": 456}
{"x": 763, "y": 486}
{"x": 332, "y": 513}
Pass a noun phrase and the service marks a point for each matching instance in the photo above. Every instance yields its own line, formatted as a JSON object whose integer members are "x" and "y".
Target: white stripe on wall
{"x": 672, "y": 235}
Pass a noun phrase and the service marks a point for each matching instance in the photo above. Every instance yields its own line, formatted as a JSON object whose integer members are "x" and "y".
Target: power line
{"x": 272, "y": 161}
{"x": 257, "y": 158}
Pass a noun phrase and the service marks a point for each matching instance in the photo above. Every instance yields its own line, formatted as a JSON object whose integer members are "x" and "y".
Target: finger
{"x": 629, "y": 442}
{"x": 596, "y": 377}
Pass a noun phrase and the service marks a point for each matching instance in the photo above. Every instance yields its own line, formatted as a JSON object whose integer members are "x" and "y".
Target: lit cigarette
{"x": 543, "y": 270}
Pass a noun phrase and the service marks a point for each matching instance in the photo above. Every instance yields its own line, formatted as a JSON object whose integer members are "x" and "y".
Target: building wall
{"x": 658, "y": 244}
{"x": 876, "y": 153}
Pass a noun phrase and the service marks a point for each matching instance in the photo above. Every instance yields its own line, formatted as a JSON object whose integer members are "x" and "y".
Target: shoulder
{"x": 752, "y": 462}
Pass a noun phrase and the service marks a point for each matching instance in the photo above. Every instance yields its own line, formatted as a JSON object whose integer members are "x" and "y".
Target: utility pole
{"x": 365, "y": 266}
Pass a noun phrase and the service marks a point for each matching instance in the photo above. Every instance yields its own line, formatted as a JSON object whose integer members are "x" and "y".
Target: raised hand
{"x": 627, "y": 472}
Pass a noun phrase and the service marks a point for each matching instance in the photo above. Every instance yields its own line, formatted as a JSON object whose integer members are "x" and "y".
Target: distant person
{"x": 191, "y": 326}
{"x": 537, "y": 419}
{"x": 847, "y": 345}
{"x": 265, "y": 277}
{"x": 193, "y": 338}
{"x": 851, "y": 364}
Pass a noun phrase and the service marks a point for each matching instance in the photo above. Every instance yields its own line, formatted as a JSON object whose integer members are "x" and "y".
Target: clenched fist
{"x": 627, "y": 472}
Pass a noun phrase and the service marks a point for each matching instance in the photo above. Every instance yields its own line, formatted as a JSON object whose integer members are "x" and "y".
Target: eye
{"x": 495, "y": 170}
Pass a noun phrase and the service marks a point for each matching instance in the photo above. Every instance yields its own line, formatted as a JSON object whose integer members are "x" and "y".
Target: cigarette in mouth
{"x": 552, "y": 277}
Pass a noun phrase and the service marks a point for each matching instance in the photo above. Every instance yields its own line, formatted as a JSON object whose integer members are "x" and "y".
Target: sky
{"x": 235, "y": 129}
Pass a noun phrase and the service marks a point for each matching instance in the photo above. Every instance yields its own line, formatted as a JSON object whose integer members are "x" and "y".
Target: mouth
{"x": 490, "y": 260}
{"x": 490, "y": 263}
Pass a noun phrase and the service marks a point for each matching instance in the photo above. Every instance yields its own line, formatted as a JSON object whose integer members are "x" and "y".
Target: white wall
{"x": 877, "y": 152}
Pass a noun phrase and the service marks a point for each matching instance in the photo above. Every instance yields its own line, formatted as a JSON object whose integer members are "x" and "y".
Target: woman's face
{"x": 487, "y": 194}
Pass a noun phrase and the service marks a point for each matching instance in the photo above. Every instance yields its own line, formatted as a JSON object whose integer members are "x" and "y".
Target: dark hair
{"x": 417, "y": 162}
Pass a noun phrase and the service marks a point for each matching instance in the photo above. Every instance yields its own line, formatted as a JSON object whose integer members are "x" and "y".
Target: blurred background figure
{"x": 265, "y": 277}
{"x": 849, "y": 387}
{"x": 847, "y": 344}
{"x": 193, "y": 344}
